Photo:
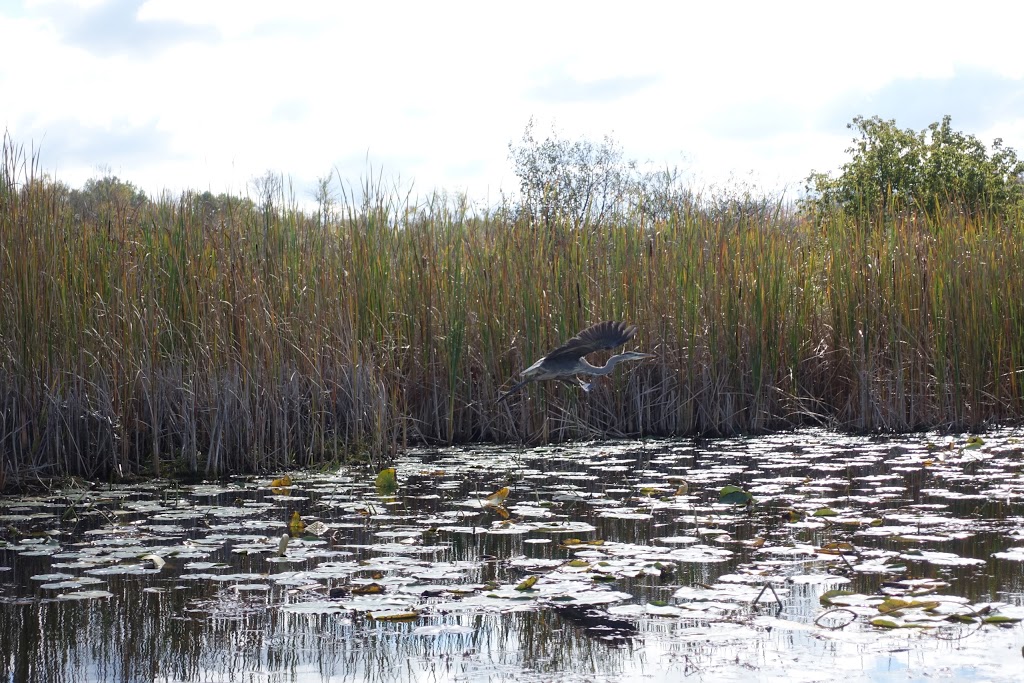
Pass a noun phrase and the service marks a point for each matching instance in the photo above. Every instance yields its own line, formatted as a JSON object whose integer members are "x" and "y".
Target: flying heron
{"x": 568, "y": 360}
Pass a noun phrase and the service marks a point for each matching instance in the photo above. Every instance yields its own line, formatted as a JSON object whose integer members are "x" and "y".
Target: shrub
{"x": 892, "y": 170}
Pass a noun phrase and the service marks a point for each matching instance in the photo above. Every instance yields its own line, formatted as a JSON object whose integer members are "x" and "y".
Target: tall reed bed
{"x": 173, "y": 337}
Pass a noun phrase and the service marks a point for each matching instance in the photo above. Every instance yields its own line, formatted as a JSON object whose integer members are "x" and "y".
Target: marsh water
{"x": 835, "y": 557}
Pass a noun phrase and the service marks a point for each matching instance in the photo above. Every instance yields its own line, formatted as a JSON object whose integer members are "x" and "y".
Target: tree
{"x": 661, "y": 194}
{"x": 325, "y": 200}
{"x": 269, "y": 189}
{"x": 893, "y": 169}
{"x": 578, "y": 180}
{"x": 958, "y": 168}
{"x": 107, "y": 196}
{"x": 216, "y": 211}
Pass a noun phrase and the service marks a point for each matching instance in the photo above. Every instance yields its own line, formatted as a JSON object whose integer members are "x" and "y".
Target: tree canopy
{"x": 893, "y": 169}
{"x": 575, "y": 179}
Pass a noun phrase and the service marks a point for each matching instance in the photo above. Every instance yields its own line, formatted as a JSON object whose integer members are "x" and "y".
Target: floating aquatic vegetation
{"x": 601, "y": 541}
{"x": 314, "y": 607}
{"x": 442, "y": 630}
{"x": 940, "y": 558}
{"x": 86, "y": 595}
{"x": 1016, "y": 554}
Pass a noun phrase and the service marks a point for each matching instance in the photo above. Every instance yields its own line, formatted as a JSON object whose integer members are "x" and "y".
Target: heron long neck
{"x": 605, "y": 369}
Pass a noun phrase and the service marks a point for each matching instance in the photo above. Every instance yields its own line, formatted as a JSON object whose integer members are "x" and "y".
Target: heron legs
{"x": 577, "y": 382}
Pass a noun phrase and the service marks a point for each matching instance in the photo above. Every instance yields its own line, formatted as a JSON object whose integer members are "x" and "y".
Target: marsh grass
{"x": 176, "y": 337}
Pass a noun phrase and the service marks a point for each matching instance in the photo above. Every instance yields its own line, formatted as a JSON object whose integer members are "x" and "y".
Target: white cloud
{"x": 189, "y": 93}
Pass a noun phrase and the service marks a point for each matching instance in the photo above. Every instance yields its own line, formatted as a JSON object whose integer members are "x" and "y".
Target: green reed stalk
{"x": 180, "y": 336}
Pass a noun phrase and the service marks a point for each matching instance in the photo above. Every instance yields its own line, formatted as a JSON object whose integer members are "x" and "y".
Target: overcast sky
{"x": 207, "y": 94}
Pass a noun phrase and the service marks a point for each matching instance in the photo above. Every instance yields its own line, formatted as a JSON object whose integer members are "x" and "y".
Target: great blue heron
{"x": 567, "y": 361}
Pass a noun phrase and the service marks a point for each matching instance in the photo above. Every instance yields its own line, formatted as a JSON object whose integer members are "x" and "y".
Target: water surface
{"x": 642, "y": 572}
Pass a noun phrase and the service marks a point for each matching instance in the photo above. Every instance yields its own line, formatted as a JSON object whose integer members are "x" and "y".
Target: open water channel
{"x": 834, "y": 558}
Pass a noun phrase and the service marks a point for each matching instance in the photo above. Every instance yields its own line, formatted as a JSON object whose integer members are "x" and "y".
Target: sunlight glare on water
{"x": 612, "y": 561}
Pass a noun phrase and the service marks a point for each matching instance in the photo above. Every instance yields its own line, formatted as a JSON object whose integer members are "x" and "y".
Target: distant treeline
{"x": 213, "y": 335}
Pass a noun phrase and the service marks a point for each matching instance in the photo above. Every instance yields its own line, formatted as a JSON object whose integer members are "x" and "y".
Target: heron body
{"x": 568, "y": 360}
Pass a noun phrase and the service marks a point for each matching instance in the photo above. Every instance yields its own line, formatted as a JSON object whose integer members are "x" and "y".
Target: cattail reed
{"x": 178, "y": 336}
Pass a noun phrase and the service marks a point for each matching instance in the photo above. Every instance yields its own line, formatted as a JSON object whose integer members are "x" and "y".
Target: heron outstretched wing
{"x": 604, "y": 335}
{"x": 564, "y": 363}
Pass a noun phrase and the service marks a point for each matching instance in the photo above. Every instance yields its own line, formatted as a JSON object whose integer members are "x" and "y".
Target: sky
{"x": 210, "y": 94}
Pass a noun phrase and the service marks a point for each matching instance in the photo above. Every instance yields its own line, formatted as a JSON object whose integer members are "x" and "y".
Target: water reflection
{"x": 227, "y": 608}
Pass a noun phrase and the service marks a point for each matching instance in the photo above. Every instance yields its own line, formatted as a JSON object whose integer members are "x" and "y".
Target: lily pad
{"x": 86, "y": 595}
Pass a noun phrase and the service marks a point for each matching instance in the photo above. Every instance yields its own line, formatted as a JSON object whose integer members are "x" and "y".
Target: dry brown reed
{"x": 179, "y": 338}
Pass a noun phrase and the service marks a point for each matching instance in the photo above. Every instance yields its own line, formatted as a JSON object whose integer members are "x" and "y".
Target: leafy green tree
{"x": 106, "y": 196}
{"x": 937, "y": 169}
{"x": 958, "y": 168}
{"x": 214, "y": 211}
